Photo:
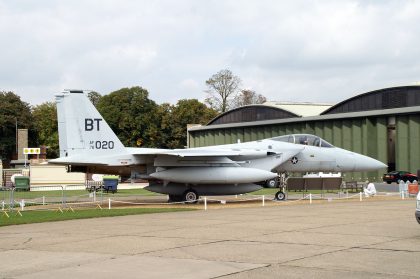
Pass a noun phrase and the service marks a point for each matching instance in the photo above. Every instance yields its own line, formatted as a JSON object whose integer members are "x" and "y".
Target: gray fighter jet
{"x": 88, "y": 144}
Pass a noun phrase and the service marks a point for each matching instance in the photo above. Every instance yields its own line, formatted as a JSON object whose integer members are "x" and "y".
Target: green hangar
{"x": 383, "y": 124}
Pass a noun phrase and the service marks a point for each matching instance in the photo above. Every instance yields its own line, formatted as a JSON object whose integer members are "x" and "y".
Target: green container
{"x": 111, "y": 177}
{"x": 22, "y": 183}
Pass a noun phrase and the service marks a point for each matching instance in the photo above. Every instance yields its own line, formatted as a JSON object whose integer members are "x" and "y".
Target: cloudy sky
{"x": 317, "y": 51}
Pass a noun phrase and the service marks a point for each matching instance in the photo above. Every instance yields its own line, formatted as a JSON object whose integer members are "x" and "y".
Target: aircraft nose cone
{"x": 365, "y": 163}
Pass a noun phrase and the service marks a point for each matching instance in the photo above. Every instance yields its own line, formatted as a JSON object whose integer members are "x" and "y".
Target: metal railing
{"x": 76, "y": 196}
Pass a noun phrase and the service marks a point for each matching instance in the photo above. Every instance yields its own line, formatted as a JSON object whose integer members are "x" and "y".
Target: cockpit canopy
{"x": 305, "y": 139}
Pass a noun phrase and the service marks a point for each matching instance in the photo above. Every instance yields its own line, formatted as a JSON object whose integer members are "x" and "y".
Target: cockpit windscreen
{"x": 304, "y": 139}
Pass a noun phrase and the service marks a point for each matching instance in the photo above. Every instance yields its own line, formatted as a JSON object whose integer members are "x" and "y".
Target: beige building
{"x": 45, "y": 174}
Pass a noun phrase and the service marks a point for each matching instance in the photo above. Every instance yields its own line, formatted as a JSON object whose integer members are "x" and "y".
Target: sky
{"x": 301, "y": 50}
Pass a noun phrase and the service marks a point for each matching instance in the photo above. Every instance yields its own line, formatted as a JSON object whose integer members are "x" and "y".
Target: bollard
{"x": 205, "y": 203}
{"x": 347, "y": 194}
{"x": 263, "y": 200}
{"x": 360, "y": 196}
{"x": 94, "y": 196}
{"x": 22, "y": 205}
{"x": 402, "y": 195}
{"x": 310, "y": 198}
{"x": 12, "y": 200}
{"x": 43, "y": 200}
{"x": 63, "y": 195}
{"x": 109, "y": 203}
{"x": 2, "y": 205}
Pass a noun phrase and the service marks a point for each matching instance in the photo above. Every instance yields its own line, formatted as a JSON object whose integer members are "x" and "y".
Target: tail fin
{"x": 81, "y": 128}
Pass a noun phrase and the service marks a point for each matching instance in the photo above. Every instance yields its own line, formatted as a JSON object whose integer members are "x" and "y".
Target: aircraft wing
{"x": 199, "y": 152}
{"x": 210, "y": 156}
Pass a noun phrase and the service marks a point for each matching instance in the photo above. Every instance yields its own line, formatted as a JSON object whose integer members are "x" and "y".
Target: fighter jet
{"x": 88, "y": 144}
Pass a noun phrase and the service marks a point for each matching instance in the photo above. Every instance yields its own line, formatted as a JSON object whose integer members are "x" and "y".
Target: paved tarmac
{"x": 369, "y": 239}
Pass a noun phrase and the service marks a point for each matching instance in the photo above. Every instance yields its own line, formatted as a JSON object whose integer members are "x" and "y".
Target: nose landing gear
{"x": 280, "y": 196}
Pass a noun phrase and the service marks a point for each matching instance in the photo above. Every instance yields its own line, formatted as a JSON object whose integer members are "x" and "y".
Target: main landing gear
{"x": 189, "y": 196}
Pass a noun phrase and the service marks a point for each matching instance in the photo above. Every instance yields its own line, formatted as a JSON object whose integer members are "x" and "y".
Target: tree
{"x": 166, "y": 124}
{"x": 46, "y": 128}
{"x": 12, "y": 111}
{"x": 247, "y": 97}
{"x": 132, "y": 116}
{"x": 186, "y": 111}
{"x": 94, "y": 97}
{"x": 222, "y": 86}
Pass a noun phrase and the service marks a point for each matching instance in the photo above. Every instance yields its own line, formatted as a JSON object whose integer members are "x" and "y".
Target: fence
{"x": 312, "y": 183}
{"x": 69, "y": 197}
{"x": 7, "y": 175}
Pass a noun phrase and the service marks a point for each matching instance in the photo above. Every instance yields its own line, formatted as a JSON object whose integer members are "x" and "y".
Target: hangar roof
{"x": 386, "y": 98}
{"x": 377, "y": 100}
{"x": 269, "y": 110}
{"x": 382, "y": 112}
{"x": 301, "y": 109}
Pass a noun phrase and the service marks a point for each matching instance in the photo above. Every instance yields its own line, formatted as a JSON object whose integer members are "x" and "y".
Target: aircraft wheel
{"x": 272, "y": 183}
{"x": 190, "y": 196}
{"x": 280, "y": 196}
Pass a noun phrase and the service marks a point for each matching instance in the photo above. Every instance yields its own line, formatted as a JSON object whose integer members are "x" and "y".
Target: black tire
{"x": 190, "y": 196}
{"x": 389, "y": 182}
{"x": 272, "y": 183}
{"x": 280, "y": 196}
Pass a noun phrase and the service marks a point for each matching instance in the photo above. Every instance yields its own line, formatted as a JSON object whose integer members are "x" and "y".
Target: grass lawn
{"x": 29, "y": 217}
{"x": 265, "y": 191}
{"x": 18, "y": 195}
{"x": 272, "y": 191}
{"x": 72, "y": 193}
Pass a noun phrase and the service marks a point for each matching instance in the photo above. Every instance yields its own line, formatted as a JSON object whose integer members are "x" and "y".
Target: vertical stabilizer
{"x": 81, "y": 129}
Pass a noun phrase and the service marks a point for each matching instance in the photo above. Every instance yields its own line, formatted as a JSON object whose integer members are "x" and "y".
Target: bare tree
{"x": 247, "y": 97}
{"x": 222, "y": 86}
{"x": 94, "y": 97}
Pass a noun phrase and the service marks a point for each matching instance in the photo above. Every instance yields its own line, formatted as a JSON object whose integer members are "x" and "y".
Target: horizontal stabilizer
{"x": 75, "y": 161}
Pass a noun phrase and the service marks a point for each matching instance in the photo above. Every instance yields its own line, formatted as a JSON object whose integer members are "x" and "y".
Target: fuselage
{"x": 303, "y": 158}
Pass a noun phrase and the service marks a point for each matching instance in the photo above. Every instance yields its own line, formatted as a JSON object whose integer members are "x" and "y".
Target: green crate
{"x": 22, "y": 183}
